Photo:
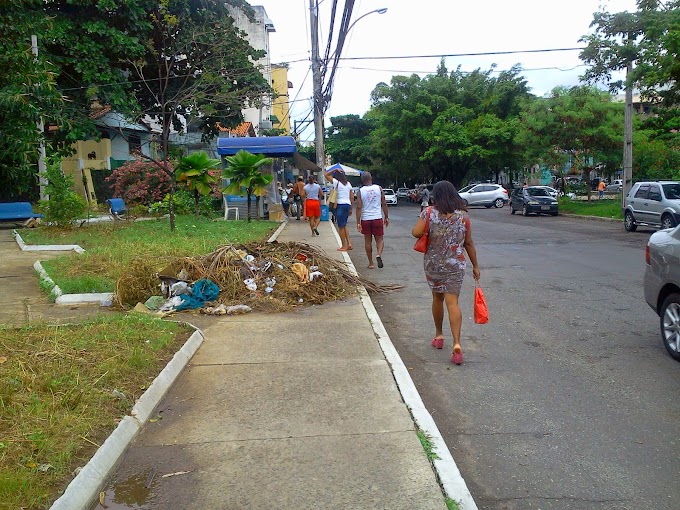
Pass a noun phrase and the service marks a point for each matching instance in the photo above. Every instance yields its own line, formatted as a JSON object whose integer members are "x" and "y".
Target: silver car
{"x": 652, "y": 203}
{"x": 662, "y": 285}
{"x": 487, "y": 194}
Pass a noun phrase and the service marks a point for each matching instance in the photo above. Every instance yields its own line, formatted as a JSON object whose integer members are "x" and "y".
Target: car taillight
{"x": 505, "y": 191}
{"x": 647, "y": 255}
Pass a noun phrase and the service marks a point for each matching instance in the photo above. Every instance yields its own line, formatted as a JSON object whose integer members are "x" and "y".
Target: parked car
{"x": 616, "y": 185}
{"x": 533, "y": 199}
{"x": 486, "y": 194}
{"x": 390, "y": 196}
{"x": 652, "y": 203}
{"x": 662, "y": 285}
{"x": 402, "y": 193}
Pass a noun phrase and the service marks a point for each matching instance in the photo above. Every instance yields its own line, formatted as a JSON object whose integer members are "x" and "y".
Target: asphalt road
{"x": 567, "y": 398}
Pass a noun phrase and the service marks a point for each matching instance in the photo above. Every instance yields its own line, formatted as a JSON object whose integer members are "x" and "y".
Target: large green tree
{"x": 448, "y": 125}
{"x": 649, "y": 38}
{"x": 28, "y": 94}
{"x": 347, "y": 141}
{"x": 581, "y": 124}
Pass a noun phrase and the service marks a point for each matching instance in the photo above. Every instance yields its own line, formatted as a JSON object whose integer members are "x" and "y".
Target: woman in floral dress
{"x": 444, "y": 262}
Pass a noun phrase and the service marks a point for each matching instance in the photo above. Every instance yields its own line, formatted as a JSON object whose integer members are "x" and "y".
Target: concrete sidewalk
{"x": 291, "y": 411}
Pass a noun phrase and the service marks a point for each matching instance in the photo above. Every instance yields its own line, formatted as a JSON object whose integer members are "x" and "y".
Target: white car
{"x": 390, "y": 196}
{"x": 551, "y": 191}
{"x": 486, "y": 194}
{"x": 402, "y": 193}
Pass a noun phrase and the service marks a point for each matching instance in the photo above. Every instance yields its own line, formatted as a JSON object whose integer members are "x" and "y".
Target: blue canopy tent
{"x": 269, "y": 146}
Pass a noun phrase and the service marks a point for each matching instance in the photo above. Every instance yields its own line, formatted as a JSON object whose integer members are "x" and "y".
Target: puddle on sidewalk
{"x": 131, "y": 494}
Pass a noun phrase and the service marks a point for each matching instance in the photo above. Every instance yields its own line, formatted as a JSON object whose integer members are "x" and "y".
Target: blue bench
{"x": 17, "y": 212}
{"x": 117, "y": 207}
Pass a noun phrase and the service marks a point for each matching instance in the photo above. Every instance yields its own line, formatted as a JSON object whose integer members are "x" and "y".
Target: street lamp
{"x": 320, "y": 100}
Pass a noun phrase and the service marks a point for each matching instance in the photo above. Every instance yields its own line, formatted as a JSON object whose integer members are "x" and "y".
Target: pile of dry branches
{"x": 278, "y": 274}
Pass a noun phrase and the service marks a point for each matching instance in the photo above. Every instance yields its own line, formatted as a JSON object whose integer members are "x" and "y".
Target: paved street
{"x": 567, "y": 398}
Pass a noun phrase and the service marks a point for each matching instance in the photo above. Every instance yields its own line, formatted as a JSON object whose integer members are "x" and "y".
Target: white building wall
{"x": 258, "y": 37}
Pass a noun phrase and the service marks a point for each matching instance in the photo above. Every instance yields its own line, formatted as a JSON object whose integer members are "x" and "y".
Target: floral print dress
{"x": 444, "y": 262}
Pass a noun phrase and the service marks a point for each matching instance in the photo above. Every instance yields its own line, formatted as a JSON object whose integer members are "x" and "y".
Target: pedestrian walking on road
{"x": 313, "y": 196}
{"x": 444, "y": 262}
{"x": 372, "y": 217}
{"x": 424, "y": 198}
{"x": 343, "y": 210}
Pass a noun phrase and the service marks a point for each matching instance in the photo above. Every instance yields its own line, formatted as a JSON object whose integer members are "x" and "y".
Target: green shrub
{"x": 184, "y": 204}
{"x": 64, "y": 205}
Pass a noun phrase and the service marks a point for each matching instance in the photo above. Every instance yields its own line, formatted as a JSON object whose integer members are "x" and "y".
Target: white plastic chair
{"x": 227, "y": 209}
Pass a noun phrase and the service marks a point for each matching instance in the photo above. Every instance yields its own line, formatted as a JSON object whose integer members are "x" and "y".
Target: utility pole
{"x": 42, "y": 167}
{"x": 317, "y": 86}
{"x": 627, "y": 137}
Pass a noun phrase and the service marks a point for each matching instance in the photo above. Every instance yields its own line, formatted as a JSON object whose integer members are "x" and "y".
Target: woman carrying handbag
{"x": 449, "y": 235}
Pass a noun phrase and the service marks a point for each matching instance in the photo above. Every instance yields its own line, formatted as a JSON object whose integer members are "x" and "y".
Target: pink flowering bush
{"x": 141, "y": 182}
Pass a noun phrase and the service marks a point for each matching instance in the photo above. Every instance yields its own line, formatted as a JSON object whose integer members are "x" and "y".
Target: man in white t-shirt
{"x": 372, "y": 217}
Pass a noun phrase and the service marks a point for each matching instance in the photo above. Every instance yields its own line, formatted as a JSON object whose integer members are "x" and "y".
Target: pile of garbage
{"x": 240, "y": 278}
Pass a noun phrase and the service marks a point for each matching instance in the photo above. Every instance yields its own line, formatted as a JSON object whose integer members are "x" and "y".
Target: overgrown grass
{"x": 57, "y": 398}
{"x": 427, "y": 445}
{"x": 111, "y": 247}
{"x": 606, "y": 208}
{"x": 451, "y": 504}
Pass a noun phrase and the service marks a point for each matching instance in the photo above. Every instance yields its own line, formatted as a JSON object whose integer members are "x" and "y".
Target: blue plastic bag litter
{"x": 202, "y": 291}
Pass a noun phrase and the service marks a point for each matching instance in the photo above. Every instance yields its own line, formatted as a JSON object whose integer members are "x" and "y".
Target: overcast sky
{"x": 432, "y": 27}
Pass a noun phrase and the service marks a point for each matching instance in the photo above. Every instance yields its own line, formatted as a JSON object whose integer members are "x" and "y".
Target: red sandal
{"x": 457, "y": 356}
{"x": 438, "y": 343}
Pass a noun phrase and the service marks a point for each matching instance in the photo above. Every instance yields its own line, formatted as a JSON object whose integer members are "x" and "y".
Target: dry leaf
{"x": 3, "y": 359}
{"x": 174, "y": 474}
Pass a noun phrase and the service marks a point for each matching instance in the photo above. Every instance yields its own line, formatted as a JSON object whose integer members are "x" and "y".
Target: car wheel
{"x": 525, "y": 211}
{"x": 512, "y": 209}
{"x": 498, "y": 204}
{"x": 629, "y": 222}
{"x": 667, "y": 221}
{"x": 669, "y": 318}
{"x": 553, "y": 214}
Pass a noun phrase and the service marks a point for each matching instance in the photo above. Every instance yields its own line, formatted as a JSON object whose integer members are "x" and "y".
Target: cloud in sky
{"x": 432, "y": 27}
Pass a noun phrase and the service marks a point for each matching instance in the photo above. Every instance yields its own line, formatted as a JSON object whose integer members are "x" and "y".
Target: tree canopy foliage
{"x": 169, "y": 59}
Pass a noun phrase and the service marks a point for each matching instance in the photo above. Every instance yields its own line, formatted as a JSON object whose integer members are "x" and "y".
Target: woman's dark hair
{"x": 340, "y": 175}
{"x": 446, "y": 198}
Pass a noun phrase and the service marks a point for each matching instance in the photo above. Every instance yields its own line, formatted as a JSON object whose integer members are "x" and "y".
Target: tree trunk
{"x": 196, "y": 201}
{"x": 248, "y": 206}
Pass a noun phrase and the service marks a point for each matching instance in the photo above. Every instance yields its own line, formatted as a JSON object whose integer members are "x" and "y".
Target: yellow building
{"x": 281, "y": 102}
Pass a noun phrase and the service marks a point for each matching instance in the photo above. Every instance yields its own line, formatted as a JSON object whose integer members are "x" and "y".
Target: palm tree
{"x": 243, "y": 172}
{"x": 193, "y": 172}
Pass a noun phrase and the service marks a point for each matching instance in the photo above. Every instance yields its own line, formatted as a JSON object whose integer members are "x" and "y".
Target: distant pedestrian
{"x": 424, "y": 198}
{"x": 313, "y": 196}
{"x": 372, "y": 217}
{"x": 444, "y": 262}
{"x": 600, "y": 189}
{"x": 298, "y": 192}
{"x": 283, "y": 192}
{"x": 343, "y": 209}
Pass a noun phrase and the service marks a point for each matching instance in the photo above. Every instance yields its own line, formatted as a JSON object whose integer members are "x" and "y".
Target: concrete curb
{"x": 45, "y": 247}
{"x": 596, "y": 218}
{"x": 84, "y": 488}
{"x": 445, "y": 467}
{"x": 278, "y": 231}
{"x": 69, "y": 299}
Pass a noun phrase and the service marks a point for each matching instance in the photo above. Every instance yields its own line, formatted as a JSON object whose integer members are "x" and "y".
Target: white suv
{"x": 652, "y": 203}
{"x": 486, "y": 194}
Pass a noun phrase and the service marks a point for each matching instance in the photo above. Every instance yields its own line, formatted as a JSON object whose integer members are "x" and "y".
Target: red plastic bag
{"x": 481, "y": 310}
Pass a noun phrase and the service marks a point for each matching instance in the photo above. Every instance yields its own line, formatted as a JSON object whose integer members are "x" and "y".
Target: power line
{"x": 446, "y": 55}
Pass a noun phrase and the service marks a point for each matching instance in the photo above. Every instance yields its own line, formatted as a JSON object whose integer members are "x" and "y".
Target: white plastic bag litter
{"x": 250, "y": 284}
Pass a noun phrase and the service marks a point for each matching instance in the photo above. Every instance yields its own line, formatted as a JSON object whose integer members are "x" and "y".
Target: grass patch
{"x": 111, "y": 247}
{"x": 57, "y": 395}
{"x": 602, "y": 208}
{"x": 427, "y": 445}
{"x": 451, "y": 504}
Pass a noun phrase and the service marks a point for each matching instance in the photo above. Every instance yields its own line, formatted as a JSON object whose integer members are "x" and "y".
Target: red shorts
{"x": 372, "y": 227}
{"x": 312, "y": 208}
